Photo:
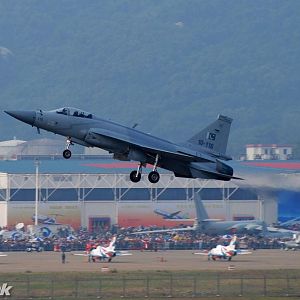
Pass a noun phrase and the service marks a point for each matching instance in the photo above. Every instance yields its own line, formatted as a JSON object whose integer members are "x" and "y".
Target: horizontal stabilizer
{"x": 243, "y": 252}
{"x": 122, "y": 253}
{"x": 201, "y": 253}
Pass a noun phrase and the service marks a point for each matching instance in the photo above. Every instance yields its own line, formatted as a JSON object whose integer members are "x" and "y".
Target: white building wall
{"x": 268, "y": 152}
{"x": 243, "y": 209}
{"x": 3, "y": 180}
{"x": 269, "y": 210}
{"x": 3, "y": 213}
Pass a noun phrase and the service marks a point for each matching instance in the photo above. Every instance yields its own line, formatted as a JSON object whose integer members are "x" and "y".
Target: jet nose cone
{"x": 27, "y": 116}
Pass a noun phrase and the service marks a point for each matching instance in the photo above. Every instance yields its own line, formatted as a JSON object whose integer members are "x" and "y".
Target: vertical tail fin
{"x": 233, "y": 241}
{"x": 201, "y": 213}
{"x": 112, "y": 243}
{"x": 214, "y": 137}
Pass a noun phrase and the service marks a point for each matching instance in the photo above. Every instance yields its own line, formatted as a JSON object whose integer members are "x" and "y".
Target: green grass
{"x": 156, "y": 284}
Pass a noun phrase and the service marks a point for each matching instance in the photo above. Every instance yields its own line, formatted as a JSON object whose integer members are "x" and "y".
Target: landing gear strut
{"x": 67, "y": 153}
{"x": 136, "y": 175}
{"x": 153, "y": 176}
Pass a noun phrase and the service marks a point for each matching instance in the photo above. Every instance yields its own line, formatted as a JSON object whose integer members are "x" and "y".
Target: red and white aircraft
{"x": 104, "y": 253}
{"x": 224, "y": 252}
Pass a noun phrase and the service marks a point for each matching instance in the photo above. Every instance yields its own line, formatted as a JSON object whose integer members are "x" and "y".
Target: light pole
{"x": 36, "y": 163}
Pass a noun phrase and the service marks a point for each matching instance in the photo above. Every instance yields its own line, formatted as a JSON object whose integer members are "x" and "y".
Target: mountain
{"x": 171, "y": 66}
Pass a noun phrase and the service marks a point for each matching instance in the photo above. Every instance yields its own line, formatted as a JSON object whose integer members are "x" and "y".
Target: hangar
{"x": 97, "y": 193}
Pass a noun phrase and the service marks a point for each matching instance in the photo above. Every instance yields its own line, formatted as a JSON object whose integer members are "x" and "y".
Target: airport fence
{"x": 168, "y": 286}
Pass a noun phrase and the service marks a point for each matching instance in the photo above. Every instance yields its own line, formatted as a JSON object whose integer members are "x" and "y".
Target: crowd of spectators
{"x": 127, "y": 239}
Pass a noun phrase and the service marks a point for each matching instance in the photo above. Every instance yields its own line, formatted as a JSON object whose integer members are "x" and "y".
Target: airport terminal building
{"x": 97, "y": 193}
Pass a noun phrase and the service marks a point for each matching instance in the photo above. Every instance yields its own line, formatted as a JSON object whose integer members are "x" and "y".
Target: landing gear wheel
{"x": 135, "y": 176}
{"x": 153, "y": 177}
{"x": 67, "y": 154}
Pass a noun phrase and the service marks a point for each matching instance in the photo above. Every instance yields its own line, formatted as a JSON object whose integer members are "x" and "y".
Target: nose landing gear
{"x": 67, "y": 153}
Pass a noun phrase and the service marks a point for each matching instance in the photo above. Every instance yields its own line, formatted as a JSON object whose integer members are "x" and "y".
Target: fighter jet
{"x": 202, "y": 156}
{"x": 292, "y": 244}
{"x": 224, "y": 252}
{"x": 104, "y": 253}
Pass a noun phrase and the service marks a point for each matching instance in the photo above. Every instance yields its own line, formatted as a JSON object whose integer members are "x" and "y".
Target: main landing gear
{"x": 136, "y": 175}
{"x": 67, "y": 153}
{"x": 153, "y": 177}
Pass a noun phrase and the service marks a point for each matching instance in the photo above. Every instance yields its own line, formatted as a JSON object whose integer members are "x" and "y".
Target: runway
{"x": 162, "y": 260}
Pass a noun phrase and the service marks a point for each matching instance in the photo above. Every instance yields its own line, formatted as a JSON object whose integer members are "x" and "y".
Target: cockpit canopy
{"x": 75, "y": 112}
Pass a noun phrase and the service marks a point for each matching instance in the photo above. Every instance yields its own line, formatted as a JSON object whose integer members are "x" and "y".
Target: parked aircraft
{"x": 218, "y": 227}
{"x": 224, "y": 252}
{"x": 46, "y": 220}
{"x": 202, "y": 156}
{"x": 104, "y": 253}
{"x": 290, "y": 223}
{"x": 215, "y": 226}
{"x": 292, "y": 244}
{"x": 17, "y": 234}
{"x": 12, "y": 234}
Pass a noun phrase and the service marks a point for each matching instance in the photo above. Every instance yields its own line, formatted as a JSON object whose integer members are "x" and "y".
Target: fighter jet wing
{"x": 94, "y": 132}
{"x": 122, "y": 253}
{"x": 175, "y": 213}
{"x": 237, "y": 226}
{"x": 244, "y": 252}
{"x": 165, "y": 230}
{"x": 201, "y": 253}
{"x": 253, "y": 226}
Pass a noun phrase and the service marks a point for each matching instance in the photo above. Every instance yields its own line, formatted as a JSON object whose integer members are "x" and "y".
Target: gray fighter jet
{"x": 202, "y": 156}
